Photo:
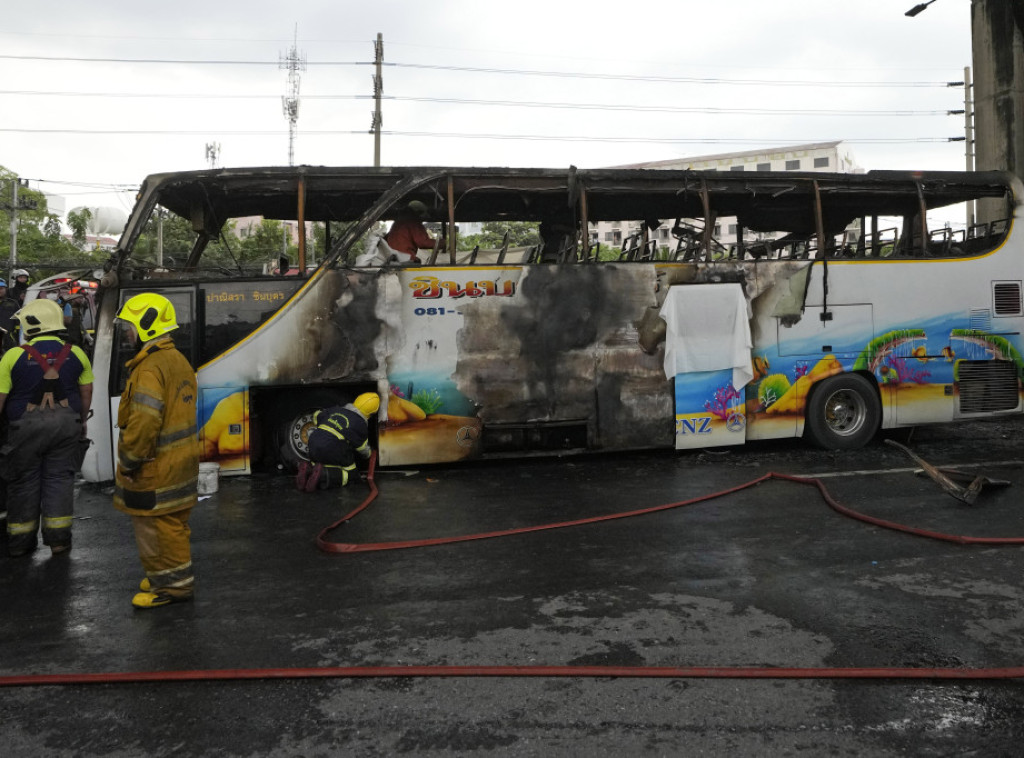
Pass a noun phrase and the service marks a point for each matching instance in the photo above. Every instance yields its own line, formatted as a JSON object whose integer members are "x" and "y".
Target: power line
{"x": 178, "y": 39}
{"x": 666, "y": 79}
{"x": 416, "y": 45}
{"x": 172, "y": 61}
{"x": 72, "y": 183}
{"x": 504, "y": 71}
{"x": 500, "y": 103}
{"x": 160, "y": 95}
{"x": 461, "y": 135}
{"x": 669, "y": 140}
{"x": 667, "y": 108}
{"x": 87, "y": 188}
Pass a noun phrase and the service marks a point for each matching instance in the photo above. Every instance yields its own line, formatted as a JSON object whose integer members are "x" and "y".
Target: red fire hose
{"x": 637, "y": 672}
{"x": 348, "y": 547}
{"x": 582, "y": 672}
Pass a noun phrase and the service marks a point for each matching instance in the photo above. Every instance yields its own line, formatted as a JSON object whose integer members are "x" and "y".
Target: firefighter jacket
{"x": 158, "y": 446}
{"x": 346, "y": 424}
{"x": 21, "y": 378}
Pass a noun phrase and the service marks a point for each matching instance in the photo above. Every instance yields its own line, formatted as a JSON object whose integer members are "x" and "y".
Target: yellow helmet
{"x": 40, "y": 317}
{"x": 151, "y": 315}
{"x": 368, "y": 403}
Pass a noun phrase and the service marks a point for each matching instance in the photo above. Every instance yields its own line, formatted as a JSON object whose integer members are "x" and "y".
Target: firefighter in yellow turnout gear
{"x": 158, "y": 451}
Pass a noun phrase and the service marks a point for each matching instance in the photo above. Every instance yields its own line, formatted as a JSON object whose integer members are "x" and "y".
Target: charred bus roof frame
{"x": 813, "y": 202}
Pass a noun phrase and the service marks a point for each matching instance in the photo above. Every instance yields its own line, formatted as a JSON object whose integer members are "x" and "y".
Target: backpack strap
{"x": 50, "y": 392}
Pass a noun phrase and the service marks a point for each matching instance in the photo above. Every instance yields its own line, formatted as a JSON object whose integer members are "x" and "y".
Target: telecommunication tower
{"x": 212, "y": 153}
{"x": 294, "y": 62}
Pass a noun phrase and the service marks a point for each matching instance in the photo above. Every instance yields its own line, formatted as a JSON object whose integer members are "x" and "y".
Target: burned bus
{"x": 834, "y": 306}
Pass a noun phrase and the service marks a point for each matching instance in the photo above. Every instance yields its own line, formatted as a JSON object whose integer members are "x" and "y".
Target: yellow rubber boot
{"x": 151, "y": 600}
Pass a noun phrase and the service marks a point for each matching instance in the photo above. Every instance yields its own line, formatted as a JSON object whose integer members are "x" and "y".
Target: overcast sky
{"x": 648, "y": 79}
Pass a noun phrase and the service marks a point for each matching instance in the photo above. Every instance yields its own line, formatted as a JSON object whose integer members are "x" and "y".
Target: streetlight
{"x": 918, "y": 8}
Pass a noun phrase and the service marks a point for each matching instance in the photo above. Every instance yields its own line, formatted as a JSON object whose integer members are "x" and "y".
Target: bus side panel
{"x": 523, "y": 357}
{"x": 931, "y": 314}
{"x": 906, "y": 322}
{"x": 224, "y": 428}
{"x": 330, "y": 331}
{"x": 708, "y": 423}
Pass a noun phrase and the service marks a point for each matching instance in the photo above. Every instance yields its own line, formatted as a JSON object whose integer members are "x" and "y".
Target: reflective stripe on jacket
{"x": 347, "y": 424}
{"x": 158, "y": 446}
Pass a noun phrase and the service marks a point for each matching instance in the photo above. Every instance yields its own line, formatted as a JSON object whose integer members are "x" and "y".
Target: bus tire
{"x": 292, "y": 421}
{"x": 843, "y": 413}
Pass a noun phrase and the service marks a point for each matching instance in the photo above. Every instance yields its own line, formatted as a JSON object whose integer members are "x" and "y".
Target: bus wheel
{"x": 293, "y": 421}
{"x": 843, "y": 413}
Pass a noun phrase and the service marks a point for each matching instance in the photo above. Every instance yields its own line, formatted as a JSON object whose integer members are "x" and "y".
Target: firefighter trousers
{"x": 334, "y": 455}
{"x": 38, "y": 462}
{"x": 166, "y": 552}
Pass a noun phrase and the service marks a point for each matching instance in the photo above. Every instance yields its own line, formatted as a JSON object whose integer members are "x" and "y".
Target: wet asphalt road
{"x": 765, "y": 577}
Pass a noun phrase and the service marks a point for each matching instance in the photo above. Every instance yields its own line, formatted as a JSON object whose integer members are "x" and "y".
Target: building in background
{"x": 819, "y": 156}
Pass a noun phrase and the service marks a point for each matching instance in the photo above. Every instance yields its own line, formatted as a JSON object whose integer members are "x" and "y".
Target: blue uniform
{"x": 341, "y": 433}
{"x": 40, "y": 456}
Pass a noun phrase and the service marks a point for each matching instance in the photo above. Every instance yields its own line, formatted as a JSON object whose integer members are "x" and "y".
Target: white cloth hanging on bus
{"x": 378, "y": 253}
{"x": 708, "y": 330}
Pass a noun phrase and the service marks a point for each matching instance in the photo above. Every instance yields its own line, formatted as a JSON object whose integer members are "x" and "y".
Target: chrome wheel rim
{"x": 845, "y": 412}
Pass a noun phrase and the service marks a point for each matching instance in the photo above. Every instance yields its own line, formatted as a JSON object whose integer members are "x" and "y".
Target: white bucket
{"x": 209, "y": 475}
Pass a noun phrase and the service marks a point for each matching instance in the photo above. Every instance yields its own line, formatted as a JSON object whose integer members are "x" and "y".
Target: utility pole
{"x": 13, "y": 262}
{"x": 969, "y": 137}
{"x": 378, "y": 89}
{"x": 15, "y": 206}
{"x": 295, "y": 63}
{"x": 159, "y": 236}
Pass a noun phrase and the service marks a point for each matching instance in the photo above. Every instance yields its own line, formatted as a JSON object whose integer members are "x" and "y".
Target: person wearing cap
{"x": 45, "y": 395}
{"x": 407, "y": 233}
{"x": 9, "y": 305}
{"x": 341, "y": 433}
{"x": 157, "y": 476}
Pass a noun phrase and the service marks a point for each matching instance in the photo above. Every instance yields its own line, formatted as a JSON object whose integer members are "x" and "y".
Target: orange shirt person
{"x": 407, "y": 233}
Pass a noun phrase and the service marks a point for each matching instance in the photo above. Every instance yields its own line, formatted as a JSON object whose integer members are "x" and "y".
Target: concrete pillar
{"x": 997, "y": 29}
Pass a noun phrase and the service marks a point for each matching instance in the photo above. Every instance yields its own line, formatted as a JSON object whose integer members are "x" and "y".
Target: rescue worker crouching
{"x": 45, "y": 395}
{"x": 341, "y": 433}
{"x": 158, "y": 451}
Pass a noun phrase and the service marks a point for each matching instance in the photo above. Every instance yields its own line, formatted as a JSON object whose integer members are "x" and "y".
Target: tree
{"x": 51, "y": 227}
{"x": 42, "y": 248}
{"x": 266, "y": 242}
{"x": 338, "y": 229}
{"x": 492, "y": 234}
{"x": 79, "y": 224}
{"x": 178, "y": 239}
